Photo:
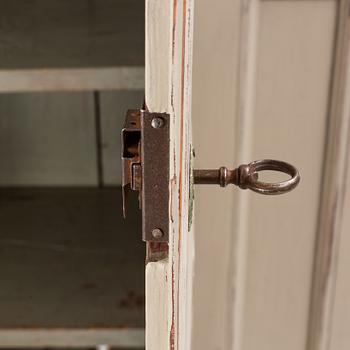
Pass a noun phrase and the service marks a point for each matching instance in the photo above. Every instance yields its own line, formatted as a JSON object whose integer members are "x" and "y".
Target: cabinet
{"x": 72, "y": 271}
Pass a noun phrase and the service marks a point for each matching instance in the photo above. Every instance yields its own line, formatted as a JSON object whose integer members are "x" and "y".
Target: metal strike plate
{"x": 145, "y": 167}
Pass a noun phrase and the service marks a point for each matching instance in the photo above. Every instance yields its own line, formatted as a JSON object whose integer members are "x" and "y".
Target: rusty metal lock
{"x": 145, "y": 166}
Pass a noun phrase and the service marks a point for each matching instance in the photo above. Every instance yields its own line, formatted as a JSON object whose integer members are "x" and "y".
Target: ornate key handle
{"x": 247, "y": 176}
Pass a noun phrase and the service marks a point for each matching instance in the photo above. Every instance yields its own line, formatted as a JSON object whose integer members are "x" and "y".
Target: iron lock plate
{"x": 145, "y": 168}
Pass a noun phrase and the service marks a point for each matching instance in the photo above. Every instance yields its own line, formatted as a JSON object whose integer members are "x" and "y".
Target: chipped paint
{"x": 191, "y": 190}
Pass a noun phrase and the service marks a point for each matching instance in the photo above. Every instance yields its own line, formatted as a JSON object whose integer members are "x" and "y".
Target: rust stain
{"x": 172, "y": 186}
{"x": 181, "y": 155}
{"x": 133, "y": 300}
{"x": 173, "y": 337}
{"x": 172, "y": 327}
{"x": 156, "y": 251}
{"x": 182, "y": 115}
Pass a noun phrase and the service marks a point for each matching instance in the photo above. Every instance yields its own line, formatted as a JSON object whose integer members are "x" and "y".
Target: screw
{"x": 157, "y": 233}
{"x": 157, "y": 122}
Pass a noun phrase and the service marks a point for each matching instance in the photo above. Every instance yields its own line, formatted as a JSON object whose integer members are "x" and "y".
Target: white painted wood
{"x": 294, "y": 62}
{"x": 285, "y": 53}
{"x": 158, "y": 306}
{"x": 114, "y": 105}
{"x": 72, "y": 79}
{"x": 102, "y": 347}
{"x": 74, "y": 338}
{"x": 246, "y": 96}
{"x": 215, "y": 76}
{"x": 340, "y": 311}
{"x": 47, "y": 139}
{"x": 168, "y": 89}
{"x": 329, "y": 310}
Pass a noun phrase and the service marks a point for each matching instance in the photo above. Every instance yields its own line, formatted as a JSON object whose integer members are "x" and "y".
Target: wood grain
{"x": 157, "y": 95}
{"x": 168, "y": 89}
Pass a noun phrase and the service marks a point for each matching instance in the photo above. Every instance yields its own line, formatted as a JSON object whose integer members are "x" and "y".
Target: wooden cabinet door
{"x": 271, "y": 80}
{"x": 168, "y": 89}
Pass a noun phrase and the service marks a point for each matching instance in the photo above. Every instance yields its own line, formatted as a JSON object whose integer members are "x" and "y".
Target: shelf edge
{"x": 80, "y": 337}
{"x": 72, "y": 79}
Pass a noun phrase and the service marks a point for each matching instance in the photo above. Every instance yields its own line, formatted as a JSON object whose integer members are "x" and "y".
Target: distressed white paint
{"x": 158, "y": 307}
{"x": 168, "y": 89}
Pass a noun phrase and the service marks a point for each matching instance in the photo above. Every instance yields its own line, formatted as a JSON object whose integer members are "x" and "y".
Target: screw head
{"x": 157, "y": 233}
{"x": 157, "y": 122}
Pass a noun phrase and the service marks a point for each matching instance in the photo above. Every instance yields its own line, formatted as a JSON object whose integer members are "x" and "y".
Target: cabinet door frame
{"x": 168, "y": 89}
{"x": 331, "y": 209}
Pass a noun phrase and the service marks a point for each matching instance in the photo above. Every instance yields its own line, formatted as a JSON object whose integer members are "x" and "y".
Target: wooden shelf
{"x": 70, "y": 265}
{"x": 71, "y": 45}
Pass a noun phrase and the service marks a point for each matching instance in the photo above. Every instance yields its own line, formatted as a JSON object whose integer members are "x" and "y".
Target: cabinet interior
{"x": 69, "y": 262}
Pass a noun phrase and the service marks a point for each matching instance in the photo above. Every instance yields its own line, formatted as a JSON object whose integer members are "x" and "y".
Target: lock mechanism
{"x": 145, "y": 167}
